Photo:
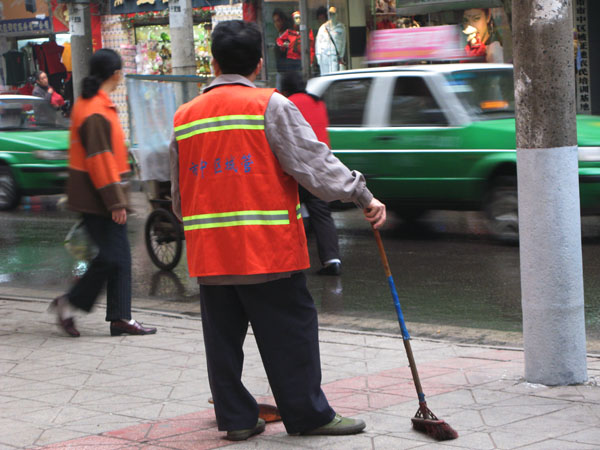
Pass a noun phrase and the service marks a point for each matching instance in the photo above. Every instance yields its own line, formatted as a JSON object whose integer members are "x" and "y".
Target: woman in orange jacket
{"x": 97, "y": 189}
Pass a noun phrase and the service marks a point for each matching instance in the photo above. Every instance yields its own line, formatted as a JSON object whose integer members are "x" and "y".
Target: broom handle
{"x": 405, "y": 335}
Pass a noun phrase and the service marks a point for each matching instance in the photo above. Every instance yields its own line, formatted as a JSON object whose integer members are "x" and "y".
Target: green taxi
{"x": 441, "y": 136}
{"x": 34, "y": 139}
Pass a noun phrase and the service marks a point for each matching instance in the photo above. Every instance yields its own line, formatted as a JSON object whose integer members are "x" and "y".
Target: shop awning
{"x": 416, "y": 7}
{"x": 134, "y": 6}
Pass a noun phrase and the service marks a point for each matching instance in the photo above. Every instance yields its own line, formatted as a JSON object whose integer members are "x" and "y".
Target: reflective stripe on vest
{"x": 298, "y": 213}
{"x": 236, "y": 219}
{"x": 221, "y": 123}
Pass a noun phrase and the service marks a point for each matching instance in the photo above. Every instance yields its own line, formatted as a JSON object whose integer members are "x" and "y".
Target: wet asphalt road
{"x": 454, "y": 282}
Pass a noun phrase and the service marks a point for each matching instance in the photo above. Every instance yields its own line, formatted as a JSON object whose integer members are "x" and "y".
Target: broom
{"x": 424, "y": 420}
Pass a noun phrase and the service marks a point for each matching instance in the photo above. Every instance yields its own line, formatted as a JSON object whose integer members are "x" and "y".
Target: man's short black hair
{"x": 237, "y": 46}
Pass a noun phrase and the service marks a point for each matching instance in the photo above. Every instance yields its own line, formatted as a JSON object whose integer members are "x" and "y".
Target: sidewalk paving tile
{"x": 103, "y": 393}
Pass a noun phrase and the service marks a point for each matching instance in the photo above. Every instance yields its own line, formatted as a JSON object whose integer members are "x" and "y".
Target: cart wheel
{"x": 163, "y": 239}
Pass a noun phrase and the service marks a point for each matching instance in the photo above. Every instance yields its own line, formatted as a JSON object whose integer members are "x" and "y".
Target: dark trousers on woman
{"x": 111, "y": 267}
{"x": 284, "y": 321}
{"x": 322, "y": 224}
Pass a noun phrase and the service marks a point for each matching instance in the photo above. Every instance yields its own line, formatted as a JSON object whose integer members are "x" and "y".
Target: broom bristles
{"x": 437, "y": 429}
{"x": 426, "y": 422}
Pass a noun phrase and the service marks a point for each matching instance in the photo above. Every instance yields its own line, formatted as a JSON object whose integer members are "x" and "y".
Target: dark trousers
{"x": 111, "y": 267}
{"x": 284, "y": 321}
{"x": 322, "y": 224}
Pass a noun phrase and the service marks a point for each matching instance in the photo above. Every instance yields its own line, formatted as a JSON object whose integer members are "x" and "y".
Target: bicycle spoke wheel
{"x": 163, "y": 239}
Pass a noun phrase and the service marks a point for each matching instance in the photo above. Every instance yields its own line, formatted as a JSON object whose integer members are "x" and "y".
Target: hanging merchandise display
{"x": 153, "y": 50}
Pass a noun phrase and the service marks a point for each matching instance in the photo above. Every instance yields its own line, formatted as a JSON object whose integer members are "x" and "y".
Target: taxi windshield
{"x": 485, "y": 94}
{"x": 29, "y": 113}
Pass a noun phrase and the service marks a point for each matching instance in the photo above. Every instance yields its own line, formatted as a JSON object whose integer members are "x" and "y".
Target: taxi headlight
{"x": 52, "y": 155}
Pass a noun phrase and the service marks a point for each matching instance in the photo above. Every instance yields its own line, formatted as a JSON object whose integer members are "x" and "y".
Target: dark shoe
{"x": 338, "y": 426}
{"x": 69, "y": 326}
{"x": 118, "y": 327}
{"x": 331, "y": 269}
{"x": 242, "y": 435}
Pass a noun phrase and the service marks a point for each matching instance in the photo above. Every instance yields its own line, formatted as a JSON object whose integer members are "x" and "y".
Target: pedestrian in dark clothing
{"x": 236, "y": 157}
{"x": 313, "y": 109}
{"x": 41, "y": 87}
{"x": 96, "y": 188}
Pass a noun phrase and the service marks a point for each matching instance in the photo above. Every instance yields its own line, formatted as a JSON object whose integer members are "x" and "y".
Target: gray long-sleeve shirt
{"x": 310, "y": 162}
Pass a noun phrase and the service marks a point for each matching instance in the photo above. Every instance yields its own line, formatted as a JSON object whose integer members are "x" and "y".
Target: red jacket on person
{"x": 315, "y": 113}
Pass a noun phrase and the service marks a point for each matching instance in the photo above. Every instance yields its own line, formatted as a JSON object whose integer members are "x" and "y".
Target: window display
{"x": 330, "y": 46}
{"x": 483, "y": 43}
{"x": 153, "y": 44}
{"x": 282, "y": 23}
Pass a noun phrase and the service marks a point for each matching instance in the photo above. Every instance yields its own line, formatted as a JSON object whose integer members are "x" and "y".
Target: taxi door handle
{"x": 385, "y": 138}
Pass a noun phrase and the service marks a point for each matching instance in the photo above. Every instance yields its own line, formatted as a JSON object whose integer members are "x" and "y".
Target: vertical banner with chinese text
{"x": 582, "y": 57}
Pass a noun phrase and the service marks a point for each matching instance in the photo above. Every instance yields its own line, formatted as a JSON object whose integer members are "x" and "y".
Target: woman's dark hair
{"x": 237, "y": 46}
{"x": 37, "y": 74}
{"x": 321, "y": 11}
{"x": 103, "y": 64}
{"x": 286, "y": 19}
{"x": 293, "y": 83}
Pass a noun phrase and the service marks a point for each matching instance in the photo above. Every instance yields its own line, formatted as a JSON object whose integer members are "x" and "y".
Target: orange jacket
{"x": 240, "y": 210}
{"x": 97, "y": 157}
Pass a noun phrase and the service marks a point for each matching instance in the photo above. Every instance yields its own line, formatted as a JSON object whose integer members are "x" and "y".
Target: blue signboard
{"x": 20, "y": 27}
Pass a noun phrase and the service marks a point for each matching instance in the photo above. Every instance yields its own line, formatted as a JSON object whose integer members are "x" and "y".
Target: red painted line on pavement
{"x": 351, "y": 396}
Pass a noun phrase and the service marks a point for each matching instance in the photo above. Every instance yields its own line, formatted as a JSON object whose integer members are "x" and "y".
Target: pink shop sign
{"x": 438, "y": 43}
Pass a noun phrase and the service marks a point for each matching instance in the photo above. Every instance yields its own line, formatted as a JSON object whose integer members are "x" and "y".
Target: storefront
{"x": 492, "y": 18}
{"x": 483, "y": 26}
{"x": 34, "y": 36}
{"x": 139, "y": 31}
{"x": 337, "y": 33}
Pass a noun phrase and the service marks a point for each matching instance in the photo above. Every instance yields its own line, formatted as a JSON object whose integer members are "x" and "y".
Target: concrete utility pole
{"x": 80, "y": 27}
{"x": 181, "y": 22}
{"x": 549, "y": 216}
{"x": 304, "y": 40}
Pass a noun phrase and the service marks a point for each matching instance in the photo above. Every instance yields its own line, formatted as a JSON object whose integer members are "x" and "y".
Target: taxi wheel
{"x": 502, "y": 210}
{"x": 9, "y": 191}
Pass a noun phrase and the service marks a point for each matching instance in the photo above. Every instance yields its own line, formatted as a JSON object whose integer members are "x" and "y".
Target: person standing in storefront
{"x": 97, "y": 189}
{"x": 290, "y": 43}
{"x": 237, "y": 156}
{"x": 41, "y": 88}
{"x": 483, "y": 42}
{"x": 313, "y": 109}
{"x": 281, "y": 22}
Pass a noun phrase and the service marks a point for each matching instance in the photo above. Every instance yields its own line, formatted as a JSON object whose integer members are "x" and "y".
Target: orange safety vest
{"x": 103, "y": 168}
{"x": 241, "y": 212}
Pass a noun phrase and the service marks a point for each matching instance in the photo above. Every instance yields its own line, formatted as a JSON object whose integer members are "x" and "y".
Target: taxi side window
{"x": 346, "y": 100}
{"x": 413, "y": 104}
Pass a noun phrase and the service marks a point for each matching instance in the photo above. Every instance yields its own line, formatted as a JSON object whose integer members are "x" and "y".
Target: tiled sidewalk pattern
{"x": 150, "y": 392}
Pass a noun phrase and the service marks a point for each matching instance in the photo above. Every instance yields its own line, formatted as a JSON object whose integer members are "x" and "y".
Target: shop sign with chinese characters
{"x": 25, "y": 19}
{"x": 139, "y": 6}
{"x": 582, "y": 58}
